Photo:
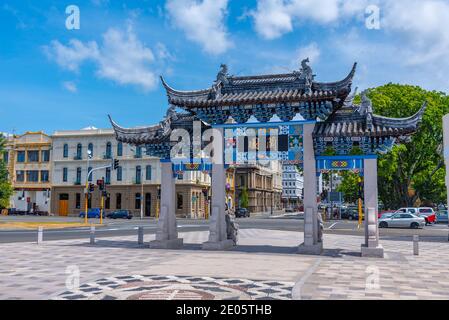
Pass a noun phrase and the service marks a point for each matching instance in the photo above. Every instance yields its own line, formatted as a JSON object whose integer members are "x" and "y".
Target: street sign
{"x": 335, "y": 197}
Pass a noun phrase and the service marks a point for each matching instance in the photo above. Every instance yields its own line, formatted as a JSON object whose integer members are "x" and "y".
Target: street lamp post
{"x": 86, "y": 191}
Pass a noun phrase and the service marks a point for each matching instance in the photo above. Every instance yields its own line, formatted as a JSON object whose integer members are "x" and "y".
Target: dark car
{"x": 242, "y": 213}
{"x": 349, "y": 213}
{"x": 120, "y": 214}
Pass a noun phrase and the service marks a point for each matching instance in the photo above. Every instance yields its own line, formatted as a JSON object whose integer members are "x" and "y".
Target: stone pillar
{"x": 371, "y": 247}
{"x": 218, "y": 239}
{"x": 167, "y": 233}
{"x": 312, "y": 244}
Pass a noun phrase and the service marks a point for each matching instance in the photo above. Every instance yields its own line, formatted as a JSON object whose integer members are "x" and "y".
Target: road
{"x": 116, "y": 228}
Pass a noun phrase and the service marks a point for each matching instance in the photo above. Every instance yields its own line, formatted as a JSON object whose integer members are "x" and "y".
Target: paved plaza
{"x": 264, "y": 266}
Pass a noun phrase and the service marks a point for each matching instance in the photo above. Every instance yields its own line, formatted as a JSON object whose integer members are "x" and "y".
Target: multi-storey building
{"x": 263, "y": 183}
{"x": 292, "y": 182}
{"x": 135, "y": 185}
{"x": 28, "y": 158}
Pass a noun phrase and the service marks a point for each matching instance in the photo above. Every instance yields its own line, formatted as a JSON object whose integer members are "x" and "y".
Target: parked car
{"x": 349, "y": 213}
{"x": 428, "y": 214}
{"x": 120, "y": 214}
{"x": 290, "y": 210}
{"x": 92, "y": 213}
{"x": 402, "y": 220}
{"x": 242, "y": 213}
{"x": 442, "y": 217}
{"x": 389, "y": 212}
{"x": 386, "y": 215}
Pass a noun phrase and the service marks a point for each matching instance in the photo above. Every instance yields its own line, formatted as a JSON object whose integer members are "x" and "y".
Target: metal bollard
{"x": 40, "y": 235}
{"x": 92, "y": 234}
{"x": 416, "y": 245}
{"x": 140, "y": 235}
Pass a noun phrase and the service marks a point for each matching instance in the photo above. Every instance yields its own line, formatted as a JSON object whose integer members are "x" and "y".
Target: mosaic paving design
{"x": 139, "y": 287}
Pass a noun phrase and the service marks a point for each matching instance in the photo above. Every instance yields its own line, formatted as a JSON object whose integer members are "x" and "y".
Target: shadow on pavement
{"x": 333, "y": 253}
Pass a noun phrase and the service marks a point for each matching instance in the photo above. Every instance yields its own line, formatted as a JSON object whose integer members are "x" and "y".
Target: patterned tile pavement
{"x": 264, "y": 259}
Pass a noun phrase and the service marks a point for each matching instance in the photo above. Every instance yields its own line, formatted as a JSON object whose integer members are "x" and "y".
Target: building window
{"x": 180, "y": 176}
{"x": 119, "y": 149}
{"x": 119, "y": 173}
{"x": 118, "y": 201}
{"x": 138, "y": 175}
{"x": 107, "y": 203}
{"x": 33, "y": 156}
{"x": 32, "y": 176}
{"x": 139, "y": 152}
{"x": 148, "y": 173}
{"x": 90, "y": 148}
{"x": 108, "y": 176}
{"x": 20, "y": 176}
{"x": 179, "y": 202}
{"x": 78, "y": 175}
{"x": 137, "y": 200}
{"x": 65, "y": 150}
{"x": 6, "y": 157}
{"x": 79, "y": 151}
{"x": 91, "y": 176}
{"x": 108, "y": 150}
{"x": 64, "y": 174}
{"x": 78, "y": 201}
{"x": 45, "y": 155}
{"x": 45, "y": 176}
{"x": 21, "y": 156}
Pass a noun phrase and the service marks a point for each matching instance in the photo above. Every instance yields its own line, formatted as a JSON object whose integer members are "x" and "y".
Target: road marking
{"x": 332, "y": 225}
{"x": 297, "y": 288}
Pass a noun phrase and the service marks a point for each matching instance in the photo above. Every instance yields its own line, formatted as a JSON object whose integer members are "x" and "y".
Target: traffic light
{"x": 100, "y": 184}
{"x": 91, "y": 187}
{"x": 115, "y": 164}
{"x": 360, "y": 188}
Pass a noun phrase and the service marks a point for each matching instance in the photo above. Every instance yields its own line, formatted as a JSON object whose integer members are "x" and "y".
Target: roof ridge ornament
{"x": 306, "y": 73}
{"x": 223, "y": 75}
{"x": 349, "y": 102}
{"x": 366, "y": 109}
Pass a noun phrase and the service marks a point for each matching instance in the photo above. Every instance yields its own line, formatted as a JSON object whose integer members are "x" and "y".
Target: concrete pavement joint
{"x": 297, "y": 289}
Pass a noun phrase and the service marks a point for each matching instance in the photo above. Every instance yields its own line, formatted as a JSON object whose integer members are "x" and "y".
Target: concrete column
{"x": 167, "y": 233}
{"x": 312, "y": 244}
{"x": 217, "y": 224}
{"x": 371, "y": 248}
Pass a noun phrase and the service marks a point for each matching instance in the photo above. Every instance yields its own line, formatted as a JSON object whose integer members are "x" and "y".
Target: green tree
{"x": 244, "y": 198}
{"x": 6, "y": 189}
{"x": 413, "y": 170}
{"x": 349, "y": 186}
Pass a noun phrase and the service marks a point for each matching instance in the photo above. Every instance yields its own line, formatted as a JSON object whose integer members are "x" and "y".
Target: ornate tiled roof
{"x": 159, "y": 133}
{"x": 359, "y": 120}
{"x": 298, "y": 86}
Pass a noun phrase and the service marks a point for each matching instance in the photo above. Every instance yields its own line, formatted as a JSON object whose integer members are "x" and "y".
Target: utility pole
{"x": 86, "y": 191}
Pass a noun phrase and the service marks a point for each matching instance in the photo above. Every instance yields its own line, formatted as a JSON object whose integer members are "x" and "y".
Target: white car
{"x": 402, "y": 220}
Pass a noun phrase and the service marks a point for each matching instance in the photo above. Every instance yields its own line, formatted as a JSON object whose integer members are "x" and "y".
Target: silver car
{"x": 402, "y": 220}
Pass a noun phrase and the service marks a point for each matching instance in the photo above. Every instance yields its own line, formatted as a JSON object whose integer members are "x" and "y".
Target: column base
{"x": 221, "y": 245}
{"x": 316, "y": 249}
{"x": 372, "y": 252}
{"x": 167, "y": 244}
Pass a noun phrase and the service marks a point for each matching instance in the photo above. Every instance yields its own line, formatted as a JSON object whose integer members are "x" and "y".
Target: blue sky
{"x": 53, "y": 78}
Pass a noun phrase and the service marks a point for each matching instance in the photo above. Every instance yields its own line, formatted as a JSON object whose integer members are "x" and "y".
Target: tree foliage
{"x": 6, "y": 189}
{"x": 244, "y": 198}
{"x": 412, "y": 172}
{"x": 349, "y": 186}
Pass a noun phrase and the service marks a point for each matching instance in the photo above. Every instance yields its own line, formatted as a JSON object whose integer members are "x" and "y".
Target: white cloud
{"x": 423, "y": 24}
{"x": 70, "y": 86}
{"x": 121, "y": 57}
{"x": 203, "y": 21}
{"x": 274, "y": 18}
{"x": 311, "y": 51}
{"x": 70, "y": 57}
